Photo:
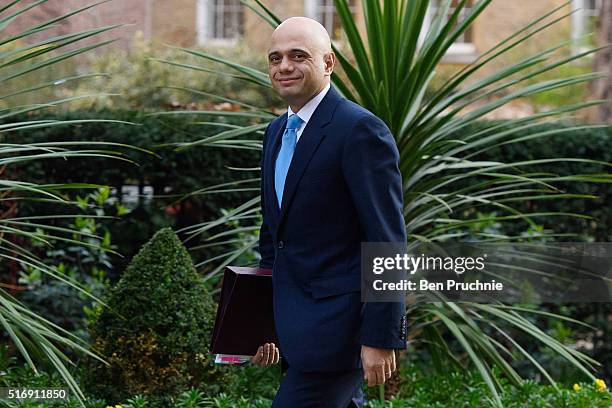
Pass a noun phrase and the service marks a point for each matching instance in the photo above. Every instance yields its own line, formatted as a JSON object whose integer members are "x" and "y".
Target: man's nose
{"x": 286, "y": 65}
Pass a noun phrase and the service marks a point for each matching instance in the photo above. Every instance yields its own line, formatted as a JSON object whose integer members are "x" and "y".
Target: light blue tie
{"x": 285, "y": 154}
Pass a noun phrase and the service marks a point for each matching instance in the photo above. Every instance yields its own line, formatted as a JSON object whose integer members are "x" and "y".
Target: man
{"x": 330, "y": 180}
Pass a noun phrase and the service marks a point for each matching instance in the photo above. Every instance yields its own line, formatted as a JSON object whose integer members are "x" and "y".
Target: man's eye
{"x": 299, "y": 56}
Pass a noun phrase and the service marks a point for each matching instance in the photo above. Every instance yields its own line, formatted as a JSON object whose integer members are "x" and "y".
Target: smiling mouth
{"x": 285, "y": 81}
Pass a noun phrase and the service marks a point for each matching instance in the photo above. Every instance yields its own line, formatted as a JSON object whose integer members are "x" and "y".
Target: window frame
{"x": 310, "y": 10}
{"x": 459, "y": 52}
{"x": 578, "y": 22}
{"x": 205, "y": 20}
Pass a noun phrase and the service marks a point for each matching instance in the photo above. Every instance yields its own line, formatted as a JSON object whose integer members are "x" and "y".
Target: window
{"x": 219, "y": 20}
{"x": 324, "y": 12}
{"x": 133, "y": 195}
{"x": 584, "y": 20}
{"x": 464, "y": 45}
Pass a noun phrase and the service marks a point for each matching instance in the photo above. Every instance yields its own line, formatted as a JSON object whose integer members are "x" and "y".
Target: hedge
{"x": 170, "y": 172}
{"x": 191, "y": 169}
{"x": 595, "y": 144}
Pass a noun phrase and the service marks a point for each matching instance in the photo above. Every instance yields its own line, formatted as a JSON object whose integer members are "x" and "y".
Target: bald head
{"x": 309, "y": 30}
{"x": 300, "y": 60}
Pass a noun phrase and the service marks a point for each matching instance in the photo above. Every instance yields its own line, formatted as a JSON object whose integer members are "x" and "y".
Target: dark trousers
{"x": 335, "y": 389}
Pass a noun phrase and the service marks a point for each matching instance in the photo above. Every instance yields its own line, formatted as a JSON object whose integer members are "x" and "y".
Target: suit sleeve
{"x": 266, "y": 246}
{"x": 370, "y": 164}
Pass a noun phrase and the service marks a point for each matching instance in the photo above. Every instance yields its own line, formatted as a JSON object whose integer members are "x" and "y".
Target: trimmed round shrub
{"x": 156, "y": 331}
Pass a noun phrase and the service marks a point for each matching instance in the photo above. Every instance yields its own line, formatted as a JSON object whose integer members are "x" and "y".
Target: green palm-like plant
{"x": 34, "y": 336}
{"x": 388, "y": 71}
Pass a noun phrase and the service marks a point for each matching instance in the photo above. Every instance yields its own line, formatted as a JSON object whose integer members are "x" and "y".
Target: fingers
{"x": 256, "y": 359}
{"x": 267, "y": 354}
{"x": 370, "y": 377}
{"x": 377, "y": 374}
{"x": 266, "y": 358}
{"x": 388, "y": 369}
{"x": 381, "y": 374}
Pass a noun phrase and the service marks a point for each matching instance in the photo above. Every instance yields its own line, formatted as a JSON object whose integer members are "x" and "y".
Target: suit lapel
{"x": 310, "y": 139}
{"x": 270, "y": 169}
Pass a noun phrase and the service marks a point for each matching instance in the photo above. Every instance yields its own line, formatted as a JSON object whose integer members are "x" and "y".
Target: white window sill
{"x": 460, "y": 53}
{"x": 219, "y": 42}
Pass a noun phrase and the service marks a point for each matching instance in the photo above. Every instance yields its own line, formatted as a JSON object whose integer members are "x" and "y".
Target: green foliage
{"x": 85, "y": 260}
{"x": 171, "y": 175}
{"x": 137, "y": 80}
{"x": 139, "y": 401}
{"x": 563, "y": 141}
{"x": 225, "y": 401}
{"x": 563, "y": 96}
{"x": 593, "y": 340}
{"x": 191, "y": 169}
{"x": 156, "y": 332}
{"x": 252, "y": 382}
{"x": 23, "y": 54}
{"x": 419, "y": 388}
{"x": 388, "y": 68}
{"x": 422, "y": 389}
{"x": 45, "y": 75}
{"x": 22, "y": 376}
{"x": 245, "y": 385}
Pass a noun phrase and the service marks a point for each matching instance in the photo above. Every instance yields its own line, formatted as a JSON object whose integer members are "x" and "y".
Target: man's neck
{"x": 296, "y": 106}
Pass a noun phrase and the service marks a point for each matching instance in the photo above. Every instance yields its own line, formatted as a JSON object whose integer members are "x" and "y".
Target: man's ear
{"x": 330, "y": 62}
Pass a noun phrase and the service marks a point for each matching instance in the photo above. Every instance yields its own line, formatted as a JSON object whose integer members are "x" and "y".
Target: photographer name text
{"x": 449, "y": 285}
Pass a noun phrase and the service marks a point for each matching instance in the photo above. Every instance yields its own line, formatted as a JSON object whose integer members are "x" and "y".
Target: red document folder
{"x": 245, "y": 318}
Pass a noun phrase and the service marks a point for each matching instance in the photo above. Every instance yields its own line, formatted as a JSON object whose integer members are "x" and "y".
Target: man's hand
{"x": 267, "y": 354}
{"x": 378, "y": 364}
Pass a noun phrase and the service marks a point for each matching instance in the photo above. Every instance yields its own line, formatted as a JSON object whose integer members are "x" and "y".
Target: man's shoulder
{"x": 360, "y": 124}
{"x": 351, "y": 112}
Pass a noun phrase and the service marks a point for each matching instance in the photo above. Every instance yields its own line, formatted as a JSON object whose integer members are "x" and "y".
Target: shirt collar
{"x": 307, "y": 110}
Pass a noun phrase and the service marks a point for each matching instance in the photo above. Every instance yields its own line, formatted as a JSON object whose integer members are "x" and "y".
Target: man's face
{"x": 297, "y": 68}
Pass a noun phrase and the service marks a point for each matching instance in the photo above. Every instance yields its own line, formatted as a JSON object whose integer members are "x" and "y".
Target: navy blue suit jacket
{"x": 343, "y": 187}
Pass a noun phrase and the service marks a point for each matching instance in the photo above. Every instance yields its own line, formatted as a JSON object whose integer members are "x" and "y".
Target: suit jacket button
{"x": 281, "y": 244}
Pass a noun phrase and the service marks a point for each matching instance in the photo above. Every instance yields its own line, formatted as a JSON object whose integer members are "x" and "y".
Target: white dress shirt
{"x": 307, "y": 110}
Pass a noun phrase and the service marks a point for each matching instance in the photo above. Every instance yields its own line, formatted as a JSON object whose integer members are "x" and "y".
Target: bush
{"x": 595, "y": 144}
{"x": 155, "y": 335}
{"x": 160, "y": 179}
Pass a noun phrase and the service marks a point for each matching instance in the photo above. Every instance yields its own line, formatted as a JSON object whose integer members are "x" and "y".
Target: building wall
{"x": 174, "y": 21}
{"x": 130, "y": 13}
{"x": 257, "y": 31}
{"x": 503, "y": 18}
{"x": 499, "y": 20}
